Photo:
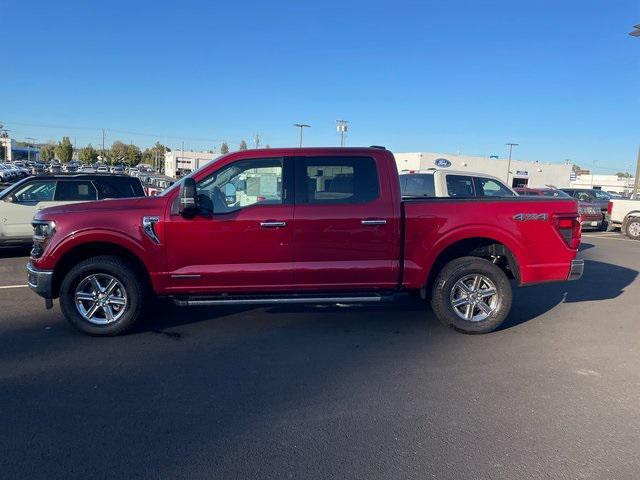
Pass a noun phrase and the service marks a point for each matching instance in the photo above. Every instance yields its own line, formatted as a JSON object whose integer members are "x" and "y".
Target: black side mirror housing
{"x": 188, "y": 203}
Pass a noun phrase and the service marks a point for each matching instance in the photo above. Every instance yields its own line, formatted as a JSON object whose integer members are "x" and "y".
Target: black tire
{"x": 632, "y": 228}
{"x": 458, "y": 269}
{"x": 121, "y": 270}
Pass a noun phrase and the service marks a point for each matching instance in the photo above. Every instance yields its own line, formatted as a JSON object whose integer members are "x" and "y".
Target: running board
{"x": 199, "y": 300}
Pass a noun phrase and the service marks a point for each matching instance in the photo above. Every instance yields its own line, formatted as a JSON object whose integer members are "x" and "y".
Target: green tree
{"x": 623, "y": 174}
{"x": 243, "y": 145}
{"x": 224, "y": 148}
{"x": 64, "y": 150}
{"x": 267, "y": 146}
{"x": 118, "y": 152}
{"x": 155, "y": 155}
{"x": 88, "y": 155}
{"x": 47, "y": 152}
{"x": 133, "y": 155}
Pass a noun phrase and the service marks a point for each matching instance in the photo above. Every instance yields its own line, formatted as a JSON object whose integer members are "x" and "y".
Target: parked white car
{"x": 20, "y": 201}
{"x": 450, "y": 183}
{"x": 625, "y": 214}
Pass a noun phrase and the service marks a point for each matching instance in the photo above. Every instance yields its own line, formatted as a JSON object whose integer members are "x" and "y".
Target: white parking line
{"x": 4, "y": 287}
{"x": 619, "y": 238}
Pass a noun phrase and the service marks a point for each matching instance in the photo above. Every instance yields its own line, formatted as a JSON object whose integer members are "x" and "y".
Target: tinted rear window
{"x": 418, "y": 185}
{"x": 118, "y": 187}
{"x": 75, "y": 191}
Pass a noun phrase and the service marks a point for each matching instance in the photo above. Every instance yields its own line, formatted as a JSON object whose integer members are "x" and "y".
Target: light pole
{"x": 29, "y": 147}
{"x": 341, "y": 126}
{"x": 511, "y": 145}
{"x": 636, "y": 182}
{"x": 301, "y": 126}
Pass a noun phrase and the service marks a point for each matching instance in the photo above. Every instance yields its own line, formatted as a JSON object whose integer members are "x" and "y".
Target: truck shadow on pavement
{"x": 600, "y": 281}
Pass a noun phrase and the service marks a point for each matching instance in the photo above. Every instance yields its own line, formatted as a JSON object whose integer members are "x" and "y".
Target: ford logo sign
{"x": 442, "y": 163}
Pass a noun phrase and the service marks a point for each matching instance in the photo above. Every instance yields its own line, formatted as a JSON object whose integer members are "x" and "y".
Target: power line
{"x": 114, "y": 130}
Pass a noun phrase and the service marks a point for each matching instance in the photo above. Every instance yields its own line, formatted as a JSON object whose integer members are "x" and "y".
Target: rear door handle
{"x": 373, "y": 221}
{"x": 271, "y": 224}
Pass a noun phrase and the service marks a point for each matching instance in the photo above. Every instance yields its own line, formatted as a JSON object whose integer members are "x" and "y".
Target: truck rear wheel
{"x": 102, "y": 296}
{"x": 633, "y": 228}
{"x": 471, "y": 295}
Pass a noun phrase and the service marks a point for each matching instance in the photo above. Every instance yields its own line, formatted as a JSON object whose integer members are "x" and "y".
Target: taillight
{"x": 569, "y": 228}
{"x": 609, "y": 207}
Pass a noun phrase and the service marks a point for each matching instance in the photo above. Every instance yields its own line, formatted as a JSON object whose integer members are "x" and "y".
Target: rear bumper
{"x": 40, "y": 281}
{"x": 576, "y": 270}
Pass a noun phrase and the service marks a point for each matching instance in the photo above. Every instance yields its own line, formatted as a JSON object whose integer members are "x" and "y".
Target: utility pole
{"x": 511, "y": 145}
{"x": 636, "y": 180}
{"x": 301, "y": 126}
{"x": 257, "y": 140}
{"x": 103, "y": 156}
{"x": 341, "y": 126}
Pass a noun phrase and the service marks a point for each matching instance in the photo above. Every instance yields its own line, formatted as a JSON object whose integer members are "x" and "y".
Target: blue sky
{"x": 559, "y": 77}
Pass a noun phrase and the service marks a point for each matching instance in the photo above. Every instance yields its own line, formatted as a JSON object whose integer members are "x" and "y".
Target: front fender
{"x": 143, "y": 251}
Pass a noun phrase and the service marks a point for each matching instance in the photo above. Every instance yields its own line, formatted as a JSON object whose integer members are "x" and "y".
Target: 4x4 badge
{"x": 527, "y": 217}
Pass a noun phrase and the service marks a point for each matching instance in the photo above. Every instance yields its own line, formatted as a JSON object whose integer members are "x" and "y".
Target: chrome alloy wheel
{"x": 634, "y": 229}
{"x": 474, "y": 297}
{"x": 101, "y": 299}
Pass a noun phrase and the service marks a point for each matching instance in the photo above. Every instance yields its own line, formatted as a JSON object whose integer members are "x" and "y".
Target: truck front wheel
{"x": 102, "y": 296}
{"x": 471, "y": 295}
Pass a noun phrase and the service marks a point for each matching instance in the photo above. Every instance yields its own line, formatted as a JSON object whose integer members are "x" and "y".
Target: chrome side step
{"x": 191, "y": 301}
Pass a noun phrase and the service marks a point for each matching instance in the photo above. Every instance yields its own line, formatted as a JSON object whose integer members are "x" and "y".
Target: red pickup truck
{"x": 300, "y": 225}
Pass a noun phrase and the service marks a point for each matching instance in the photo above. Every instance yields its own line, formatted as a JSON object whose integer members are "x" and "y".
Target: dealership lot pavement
{"x": 334, "y": 392}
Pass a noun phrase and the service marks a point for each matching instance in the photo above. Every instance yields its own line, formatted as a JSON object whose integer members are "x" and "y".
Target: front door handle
{"x": 373, "y": 221}
{"x": 272, "y": 224}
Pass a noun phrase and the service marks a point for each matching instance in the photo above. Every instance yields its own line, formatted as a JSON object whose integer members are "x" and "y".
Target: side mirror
{"x": 188, "y": 205}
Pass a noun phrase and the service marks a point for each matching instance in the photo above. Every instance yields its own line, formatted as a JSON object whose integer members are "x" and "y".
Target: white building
{"x": 610, "y": 183}
{"x": 183, "y": 162}
{"x": 522, "y": 172}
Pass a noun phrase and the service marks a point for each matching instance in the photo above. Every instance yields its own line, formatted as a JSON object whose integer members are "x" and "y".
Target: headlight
{"x": 43, "y": 230}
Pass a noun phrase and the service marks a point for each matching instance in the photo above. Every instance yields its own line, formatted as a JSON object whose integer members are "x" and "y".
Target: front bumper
{"x": 576, "y": 270}
{"x": 40, "y": 281}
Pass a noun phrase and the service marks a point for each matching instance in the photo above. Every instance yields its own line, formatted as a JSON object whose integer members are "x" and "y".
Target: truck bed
{"x": 522, "y": 230}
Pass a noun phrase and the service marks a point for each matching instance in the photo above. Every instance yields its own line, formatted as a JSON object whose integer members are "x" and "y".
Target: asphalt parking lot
{"x": 334, "y": 392}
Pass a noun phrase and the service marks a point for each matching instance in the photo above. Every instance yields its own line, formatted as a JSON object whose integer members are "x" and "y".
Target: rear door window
{"x": 460, "y": 186}
{"x": 418, "y": 185}
{"x": 118, "y": 187}
{"x": 75, "y": 191}
{"x": 336, "y": 180}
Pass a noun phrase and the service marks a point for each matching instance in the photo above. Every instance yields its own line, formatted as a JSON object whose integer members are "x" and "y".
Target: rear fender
{"x": 467, "y": 233}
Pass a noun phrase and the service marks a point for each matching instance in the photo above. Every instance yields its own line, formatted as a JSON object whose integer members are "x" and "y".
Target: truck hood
{"x": 97, "y": 206}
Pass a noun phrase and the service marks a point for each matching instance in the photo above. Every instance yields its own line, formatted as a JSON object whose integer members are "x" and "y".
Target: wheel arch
{"x": 93, "y": 249}
{"x": 482, "y": 247}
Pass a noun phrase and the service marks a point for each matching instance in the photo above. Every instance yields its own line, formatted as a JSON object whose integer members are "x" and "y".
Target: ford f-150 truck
{"x": 303, "y": 225}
